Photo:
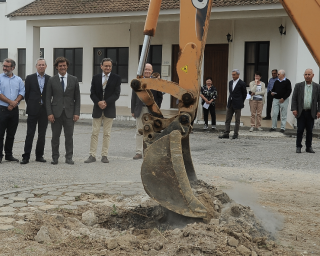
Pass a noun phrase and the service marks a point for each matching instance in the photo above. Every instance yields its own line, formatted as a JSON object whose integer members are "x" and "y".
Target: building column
{"x": 32, "y": 47}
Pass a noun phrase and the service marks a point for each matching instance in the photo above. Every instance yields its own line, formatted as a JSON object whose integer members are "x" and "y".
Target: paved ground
{"x": 264, "y": 149}
{"x": 261, "y": 169}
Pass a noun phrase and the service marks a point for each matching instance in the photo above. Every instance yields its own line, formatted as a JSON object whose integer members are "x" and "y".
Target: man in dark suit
{"x": 36, "y": 85}
{"x": 138, "y": 108}
{"x": 105, "y": 91}
{"x": 305, "y": 107}
{"x": 63, "y": 108}
{"x": 237, "y": 96}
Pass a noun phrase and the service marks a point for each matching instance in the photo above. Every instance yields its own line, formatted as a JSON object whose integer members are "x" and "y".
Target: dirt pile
{"x": 139, "y": 226}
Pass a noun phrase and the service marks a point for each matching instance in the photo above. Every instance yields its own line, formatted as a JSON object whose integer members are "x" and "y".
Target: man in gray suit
{"x": 63, "y": 108}
{"x": 305, "y": 107}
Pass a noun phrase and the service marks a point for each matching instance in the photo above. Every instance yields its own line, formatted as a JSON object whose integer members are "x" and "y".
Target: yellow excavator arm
{"x": 305, "y": 15}
{"x": 167, "y": 169}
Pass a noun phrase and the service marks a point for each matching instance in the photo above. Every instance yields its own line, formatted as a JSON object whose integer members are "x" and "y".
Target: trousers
{"x": 212, "y": 110}
{"x": 230, "y": 112}
{"x": 68, "y": 127}
{"x": 276, "y": 105}
{"x": 42, "y": 120}
{"x": 305, "y": 121}
{"x": 96, "y": 124}
{"x": 9, "y": 121}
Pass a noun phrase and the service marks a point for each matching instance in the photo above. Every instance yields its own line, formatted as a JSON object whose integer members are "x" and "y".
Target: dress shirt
{"x": 41, "y": 82}
{"x": 104, "y": 77}
{"x": 11, "y": 88}
{"x": 65, "y": 79}
{"x": 235, "y": 83}
{"x": 284, "y": 79}
{"x": 307, "y": 96}
{"x": 271, "y": 83}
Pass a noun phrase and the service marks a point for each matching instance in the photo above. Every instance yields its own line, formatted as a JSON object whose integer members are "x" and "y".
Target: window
{"x": 120, "y": 59}
{"x": 41, "y": 52}
{"x": 74, "y": 55}
{"x": 22, "y": 63}
{"x": 256, "y": 59}
{"x": 154, "y": 57}
{"x": 3, "y": 54}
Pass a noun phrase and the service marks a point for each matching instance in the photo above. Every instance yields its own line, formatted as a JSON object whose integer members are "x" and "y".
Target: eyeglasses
{"x": 5, "y": 66}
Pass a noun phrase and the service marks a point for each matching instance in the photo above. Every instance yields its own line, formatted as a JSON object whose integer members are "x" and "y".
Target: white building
{"x": 85, "y": 31}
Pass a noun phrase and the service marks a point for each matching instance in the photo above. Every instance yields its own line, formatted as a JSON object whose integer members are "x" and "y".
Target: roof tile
{"x": 61, "y": 7}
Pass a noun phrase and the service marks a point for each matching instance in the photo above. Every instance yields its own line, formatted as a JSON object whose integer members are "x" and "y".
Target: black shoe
{"x": 235, "y": 137}
{"x": 298, "y": 150}
{"x": 41, "y": 159}
{"x": 272, "y": 130}
{"x": 224, "y": 136}
{"x": 24, "y": 161}
{"x": 11, "y": 159}
{"x": 282, "y": 130}
{"x": 266, "y": 118}
{"x": 310, "y": 150}
{"x": 54, "y": 162}
{"x": 69, "y": 161}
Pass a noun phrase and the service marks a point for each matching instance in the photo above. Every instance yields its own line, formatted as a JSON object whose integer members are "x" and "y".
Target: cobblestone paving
{"x": 15, "y": 207}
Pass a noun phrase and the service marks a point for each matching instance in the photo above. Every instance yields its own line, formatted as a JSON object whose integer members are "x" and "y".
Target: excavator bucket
{"x": 165, "y": 175}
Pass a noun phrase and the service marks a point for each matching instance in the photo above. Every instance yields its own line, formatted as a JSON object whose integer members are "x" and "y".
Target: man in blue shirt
{"x": 11, "y": 93}
{"x": 269, "y": 96}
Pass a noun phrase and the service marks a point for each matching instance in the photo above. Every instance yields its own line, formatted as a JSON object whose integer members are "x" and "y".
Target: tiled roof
{"x": 60, "y": 7}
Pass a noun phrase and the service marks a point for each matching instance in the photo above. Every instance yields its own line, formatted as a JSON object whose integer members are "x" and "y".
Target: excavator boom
{"x": 305, "y": 15}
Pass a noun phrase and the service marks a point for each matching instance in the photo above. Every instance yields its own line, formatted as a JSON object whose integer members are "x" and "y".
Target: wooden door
{"x": 216, "y": 66}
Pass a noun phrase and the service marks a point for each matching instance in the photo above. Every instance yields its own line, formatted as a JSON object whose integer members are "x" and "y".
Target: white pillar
{"x": 33, "y": 47}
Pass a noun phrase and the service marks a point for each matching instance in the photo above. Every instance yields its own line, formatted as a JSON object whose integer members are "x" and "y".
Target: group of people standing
{"x": 57, "y": 100}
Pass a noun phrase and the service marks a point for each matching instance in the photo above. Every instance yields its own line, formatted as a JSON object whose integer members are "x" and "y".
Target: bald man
{"x": 305, "y": 107}
{"x": 138, "y": 108}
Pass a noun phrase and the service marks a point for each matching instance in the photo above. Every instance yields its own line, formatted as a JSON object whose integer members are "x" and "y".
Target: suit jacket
{"x": 136, "y": 103}
{"x": 58, "y": 100}
{"x": 33, "y": 94}
{"x": 112, "y": 94}
{"x": 297, "y": 101}
{"x": 238, "y": 95}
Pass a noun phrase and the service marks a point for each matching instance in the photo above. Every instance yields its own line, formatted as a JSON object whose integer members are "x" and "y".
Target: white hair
{"x": 41, "y": 59}
{"x": 283, "y": 72}
{"x": 237, "y": 71}
{"x": 309, "y": 69}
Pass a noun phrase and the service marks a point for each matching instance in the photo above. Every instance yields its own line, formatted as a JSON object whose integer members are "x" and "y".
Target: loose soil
{"x": 139, "y": 226}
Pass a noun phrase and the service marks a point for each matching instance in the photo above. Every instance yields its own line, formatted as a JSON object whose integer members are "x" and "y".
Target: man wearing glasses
{"x": 12, "y": 91}
{"x": 280, "y": 92}
{"x": 269, "y": 96}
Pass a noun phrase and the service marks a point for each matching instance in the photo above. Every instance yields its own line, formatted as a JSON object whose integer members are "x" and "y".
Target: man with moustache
{"x": 12, "y": 91}
{"x": 305, "y": 107}
{"x": 36, "y": 85}
{"x": 63, "y": 108}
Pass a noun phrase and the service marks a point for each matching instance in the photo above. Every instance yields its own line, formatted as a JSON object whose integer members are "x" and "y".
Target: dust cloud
{"x": 245, "y": 194}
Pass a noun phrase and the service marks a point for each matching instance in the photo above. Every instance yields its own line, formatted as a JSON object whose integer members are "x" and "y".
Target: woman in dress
{"x": 209, "y": 95}
{"x": 257, "y": 91}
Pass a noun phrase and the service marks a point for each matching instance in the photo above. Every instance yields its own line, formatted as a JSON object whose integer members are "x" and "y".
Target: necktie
{"x": 62, "y": 83}
{"x": 104, "y": 86}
